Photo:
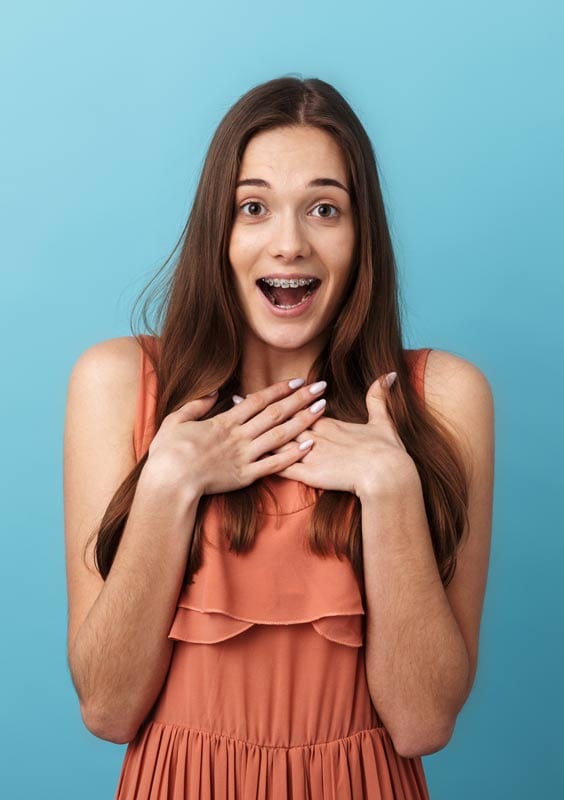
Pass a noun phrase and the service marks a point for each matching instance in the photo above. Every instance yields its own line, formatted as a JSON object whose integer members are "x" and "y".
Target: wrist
{"x": 159, "y": 480}
{"x": 391, "y": 482}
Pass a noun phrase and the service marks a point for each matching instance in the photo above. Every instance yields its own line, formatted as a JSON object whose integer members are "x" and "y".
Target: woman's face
{"x": 293, "y": 220}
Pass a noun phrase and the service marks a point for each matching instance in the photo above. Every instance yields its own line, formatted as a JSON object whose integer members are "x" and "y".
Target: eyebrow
{"x": 315, "y": 182}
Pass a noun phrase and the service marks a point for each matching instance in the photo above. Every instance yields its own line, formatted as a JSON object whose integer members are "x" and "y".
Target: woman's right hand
{"x": 229, "y": 451}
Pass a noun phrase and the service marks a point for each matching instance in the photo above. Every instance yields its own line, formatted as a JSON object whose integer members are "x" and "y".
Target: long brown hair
{"x": 200, "y": 324}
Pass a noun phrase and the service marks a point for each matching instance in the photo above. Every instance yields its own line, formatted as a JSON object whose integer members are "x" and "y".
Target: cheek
{"x": 341, "y": 275}
{"x": 234, "y": 248}
{"x": 344, "y": 258}
{"x": 337, "y": 248}
{"x": 243, "y": 252}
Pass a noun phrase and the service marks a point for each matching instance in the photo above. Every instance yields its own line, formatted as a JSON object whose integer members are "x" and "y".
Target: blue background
{"x": 107, "y": 112}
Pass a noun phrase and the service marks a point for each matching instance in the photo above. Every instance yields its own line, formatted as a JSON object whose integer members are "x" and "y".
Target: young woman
{"x": 289, "y": 513}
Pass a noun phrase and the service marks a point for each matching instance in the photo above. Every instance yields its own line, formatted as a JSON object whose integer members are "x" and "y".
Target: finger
{"x": 274, "y": 463}
{"x": 278, "y": 412}
{"x": 377, "y": 394}
{"x": 304, "y": 441}
{"x": 194, "y": 409}
{"x": 246, "y": 408}
{"x": 295, "y": 472}
{"x": 276, "y": 437}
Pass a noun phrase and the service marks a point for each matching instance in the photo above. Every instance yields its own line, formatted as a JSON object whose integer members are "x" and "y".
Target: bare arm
{"x": 416, "y": 659}
{"x": 118, "y": 650}
{"x": 422, "y": 639}
{"x": 121, "y": 654}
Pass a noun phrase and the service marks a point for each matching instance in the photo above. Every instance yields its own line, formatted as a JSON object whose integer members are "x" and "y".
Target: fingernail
{"x": 212, "y": 394}
{"x": 295, "y": 383}
{"x": 318, "y": 405}
{"x": 305, "y": 445}
{"x": 315, "y": 388}
{"x": 237, "y": 399}
{"x": 389, "y": 379}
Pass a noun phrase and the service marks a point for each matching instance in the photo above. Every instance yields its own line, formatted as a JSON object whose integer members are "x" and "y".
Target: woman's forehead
{"x": 296, "y": 155}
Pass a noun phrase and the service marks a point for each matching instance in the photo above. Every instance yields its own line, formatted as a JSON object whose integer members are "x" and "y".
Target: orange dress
{"x": 266, "y": 697}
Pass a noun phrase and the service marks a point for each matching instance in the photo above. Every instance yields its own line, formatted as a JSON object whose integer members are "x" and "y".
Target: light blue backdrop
{"x": 107, "y": 110}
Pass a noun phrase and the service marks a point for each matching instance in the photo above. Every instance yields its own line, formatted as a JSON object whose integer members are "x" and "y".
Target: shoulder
{"x": 106, "y": 376}
{"x": 459, "y": 392}
{"x": 98, "y": 455}
{"x": 451, "y": 379}
{"x": 110, "y": 362}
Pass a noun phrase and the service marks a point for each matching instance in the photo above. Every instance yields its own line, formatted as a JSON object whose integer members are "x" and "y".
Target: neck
{"x": 263, "y": 364}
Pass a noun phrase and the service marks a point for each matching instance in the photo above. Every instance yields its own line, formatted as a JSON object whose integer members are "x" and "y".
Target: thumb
{"x": 194, "y": 409}
{"x": 376, "y": 395}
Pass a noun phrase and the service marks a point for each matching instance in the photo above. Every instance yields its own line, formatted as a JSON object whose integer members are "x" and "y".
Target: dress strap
{"x": 144, "y": 429}
{"x": 417, "y": 360}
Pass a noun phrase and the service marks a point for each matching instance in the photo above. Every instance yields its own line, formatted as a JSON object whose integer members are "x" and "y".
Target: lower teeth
{"x": 294, "y": 306}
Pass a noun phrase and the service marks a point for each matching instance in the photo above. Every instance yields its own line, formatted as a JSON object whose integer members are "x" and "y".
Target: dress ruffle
{"x": 278, "y": 582}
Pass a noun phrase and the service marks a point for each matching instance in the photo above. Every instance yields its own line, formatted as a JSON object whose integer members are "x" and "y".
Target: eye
{"x": 319, "y": 205}
{"x": 251, "y": 203}
{"x": 328, "y": 205}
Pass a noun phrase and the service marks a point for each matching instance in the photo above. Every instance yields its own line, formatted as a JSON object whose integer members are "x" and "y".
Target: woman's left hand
{"x": 353, "y": 457}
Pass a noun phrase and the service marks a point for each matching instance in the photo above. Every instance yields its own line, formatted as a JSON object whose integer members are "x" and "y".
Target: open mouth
{"x": 286, "y": 296}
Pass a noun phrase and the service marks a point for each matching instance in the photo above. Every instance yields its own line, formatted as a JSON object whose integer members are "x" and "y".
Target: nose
{"x": 288, "y": 238}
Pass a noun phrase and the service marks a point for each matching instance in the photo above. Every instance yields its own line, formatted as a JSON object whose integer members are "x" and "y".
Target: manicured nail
{"x": 212, "y": 394}
{"x": 318, "y": 405}
{"x": 305, "y": 445}
{"x": 389, "y": 379}
{"x": 315, "y": 388}
{"x": 295, "y": 383}
{"x": 237, "y": 399}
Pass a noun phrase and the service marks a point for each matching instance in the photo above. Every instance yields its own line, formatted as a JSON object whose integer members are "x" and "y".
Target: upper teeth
{"x": 292, "y": 283}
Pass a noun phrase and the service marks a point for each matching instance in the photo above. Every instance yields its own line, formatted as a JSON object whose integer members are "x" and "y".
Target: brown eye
{"x": 328, "y": 205}
{"x": 251, "y": 203}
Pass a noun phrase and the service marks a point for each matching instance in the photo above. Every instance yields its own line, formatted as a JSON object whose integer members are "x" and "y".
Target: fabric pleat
{"x": 177, "y": 762}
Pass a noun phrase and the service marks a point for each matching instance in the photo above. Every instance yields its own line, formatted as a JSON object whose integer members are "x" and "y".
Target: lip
{"x": 290, "y": 312}
{"x": 292, "y": 276}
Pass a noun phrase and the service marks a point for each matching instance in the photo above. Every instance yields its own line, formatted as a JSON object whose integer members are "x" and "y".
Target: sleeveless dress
{"x": 266, "y": 696}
